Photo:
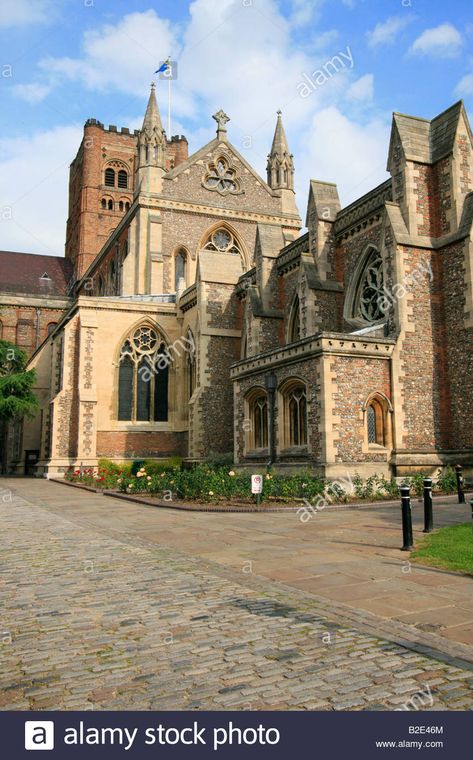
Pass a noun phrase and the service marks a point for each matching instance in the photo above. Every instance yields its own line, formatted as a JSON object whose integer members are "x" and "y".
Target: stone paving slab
{"x": 94, "y": 621}
{"x": 351, "y": 557}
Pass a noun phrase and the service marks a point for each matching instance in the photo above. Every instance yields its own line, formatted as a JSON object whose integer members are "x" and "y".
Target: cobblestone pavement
{"x": 90, "y": 621}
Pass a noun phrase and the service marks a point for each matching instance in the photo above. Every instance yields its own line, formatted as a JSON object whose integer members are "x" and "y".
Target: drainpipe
{"x": 38, "y": 316}
{"x": 271, "y": 385}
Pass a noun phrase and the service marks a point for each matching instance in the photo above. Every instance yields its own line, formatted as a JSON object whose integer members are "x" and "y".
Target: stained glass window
{"x": 143, "y": 377}
{"x": 371, "y": 295}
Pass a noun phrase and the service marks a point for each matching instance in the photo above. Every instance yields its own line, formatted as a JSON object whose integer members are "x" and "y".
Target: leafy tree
{"x": 17, "y": 399}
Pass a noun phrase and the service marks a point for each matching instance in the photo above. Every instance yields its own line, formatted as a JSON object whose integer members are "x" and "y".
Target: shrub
{"x": 156, "y": 466}
{"x": 216, "y": 460}
{"x": 447, "y": 480}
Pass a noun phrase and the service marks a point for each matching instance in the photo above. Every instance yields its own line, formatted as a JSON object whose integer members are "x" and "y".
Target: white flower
{"x": 149, "y": 477}
{"x": 119, "y": 480}
{"x": 231, "y": 473}
{"x": 139, "y": 474}
{"x": 211, "y": 493}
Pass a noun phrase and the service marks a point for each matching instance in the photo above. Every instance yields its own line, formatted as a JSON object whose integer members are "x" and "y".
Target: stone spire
{"x": 151, "y": 139}
{"x": 280, "y": 165}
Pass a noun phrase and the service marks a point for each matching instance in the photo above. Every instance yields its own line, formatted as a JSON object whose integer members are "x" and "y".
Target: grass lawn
{"x": 448, "y": 548}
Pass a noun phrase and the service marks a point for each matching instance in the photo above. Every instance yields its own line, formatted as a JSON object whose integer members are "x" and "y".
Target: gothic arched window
{"x": 294, "y": 414}
{"x": 366, "y": 292}
{"x": 294, "y": 332}
{"x": 377, "y": 419}
{"x": 143, "y": 377}
{"x": 180, "y": 266}
{"x": 257, "y": 437}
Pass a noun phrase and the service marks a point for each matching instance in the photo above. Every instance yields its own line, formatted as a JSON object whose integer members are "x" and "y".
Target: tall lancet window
{"x": 143, "y": 377}
{"x": 294, "y": 331}
{"x": 180, "y": 265}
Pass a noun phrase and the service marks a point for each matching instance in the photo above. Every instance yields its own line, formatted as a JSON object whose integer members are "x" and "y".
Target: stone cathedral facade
{"x": 198, "y": 319}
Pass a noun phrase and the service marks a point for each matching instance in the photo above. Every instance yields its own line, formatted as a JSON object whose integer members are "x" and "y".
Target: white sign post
{"x": 257, "y": 486}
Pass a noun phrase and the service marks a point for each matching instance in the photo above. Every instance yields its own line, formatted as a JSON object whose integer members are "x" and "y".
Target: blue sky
{"x": 63, "y": 61}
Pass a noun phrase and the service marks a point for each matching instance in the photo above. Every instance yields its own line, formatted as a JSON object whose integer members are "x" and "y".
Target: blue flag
{"x": 164, "y": 67}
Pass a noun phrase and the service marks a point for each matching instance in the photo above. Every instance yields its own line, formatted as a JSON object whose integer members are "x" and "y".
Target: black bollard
{"x": 471, "y": 505}
{"x": 428, "y": 514}
{"x": 461, "y": 495}
{"x": 406, "y": 518}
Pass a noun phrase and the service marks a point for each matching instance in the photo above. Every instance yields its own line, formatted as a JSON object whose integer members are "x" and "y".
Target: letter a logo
{"x": 39, "y": 734}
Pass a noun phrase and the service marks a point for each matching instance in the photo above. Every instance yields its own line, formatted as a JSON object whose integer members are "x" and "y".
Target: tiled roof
{"x": 33, "y": 274}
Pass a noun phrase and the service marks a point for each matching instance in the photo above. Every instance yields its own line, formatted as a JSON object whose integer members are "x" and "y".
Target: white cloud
{"x": 33, "y": 92}
{"x": 386, "y": 32}
{"x": 342, "y": 151}
{"x": 465, "y": 85}
{"x": 444, "y": 41}
{"x": 34, "y": 174}
{"x": 362, "y": 89}
{"x": 121, "y": 56}
{"x": 25, "y": 12}
{"x": 238, "y": 57}
{"x": 304, "y": 11}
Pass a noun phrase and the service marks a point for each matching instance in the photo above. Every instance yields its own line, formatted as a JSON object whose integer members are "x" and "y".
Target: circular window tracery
{"x": 145, "y": 340}
{"x": 222, "y": 241}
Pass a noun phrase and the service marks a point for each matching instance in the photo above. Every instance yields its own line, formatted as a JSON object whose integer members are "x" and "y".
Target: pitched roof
{"x": 428, "y": 141}
{"x": 33, "y": 274}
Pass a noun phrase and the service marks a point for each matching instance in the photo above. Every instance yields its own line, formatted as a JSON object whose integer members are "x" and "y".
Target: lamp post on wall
{"x": 271, "y": 383}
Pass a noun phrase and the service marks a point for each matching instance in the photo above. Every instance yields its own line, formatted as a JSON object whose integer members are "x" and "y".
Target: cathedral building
{"x": 191, "y": 317}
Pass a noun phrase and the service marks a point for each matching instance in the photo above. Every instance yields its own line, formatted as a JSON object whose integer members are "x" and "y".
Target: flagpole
{"x": 170, "y": 73}
{"x": 169, "y": 108}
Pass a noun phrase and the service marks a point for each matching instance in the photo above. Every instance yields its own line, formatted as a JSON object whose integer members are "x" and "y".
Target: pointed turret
{"x": 280, "y": 166}
{"x": 151, "y": 139}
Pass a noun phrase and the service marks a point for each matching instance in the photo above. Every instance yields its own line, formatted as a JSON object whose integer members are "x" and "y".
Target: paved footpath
{"x": 93, "y": 616}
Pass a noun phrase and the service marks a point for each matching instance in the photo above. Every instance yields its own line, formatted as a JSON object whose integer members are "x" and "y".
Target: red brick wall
{"x": 33, "y": 322}
{"x": 89, "y": 226}
{"x": 141, "y": 444}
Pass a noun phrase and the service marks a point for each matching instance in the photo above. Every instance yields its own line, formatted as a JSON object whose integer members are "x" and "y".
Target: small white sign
{"x": 256, "y": 483}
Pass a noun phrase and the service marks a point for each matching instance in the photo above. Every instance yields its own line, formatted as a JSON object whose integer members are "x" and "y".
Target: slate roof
{"x": 24, "y": 273}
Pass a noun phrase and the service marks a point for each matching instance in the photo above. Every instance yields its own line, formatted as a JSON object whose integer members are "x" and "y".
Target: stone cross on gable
{"x": 221, "y": 118}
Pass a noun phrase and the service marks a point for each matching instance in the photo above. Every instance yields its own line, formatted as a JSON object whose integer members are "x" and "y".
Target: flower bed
{"x": 206, "y": 483}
